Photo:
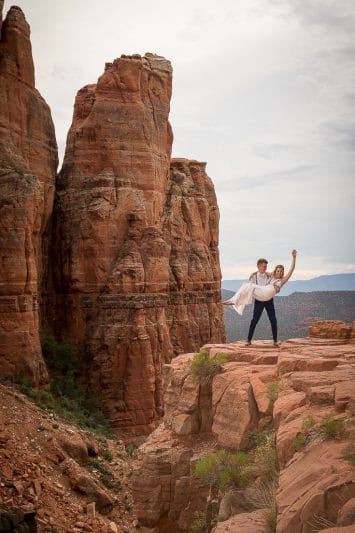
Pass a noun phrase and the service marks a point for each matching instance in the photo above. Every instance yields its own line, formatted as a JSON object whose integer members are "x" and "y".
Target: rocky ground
{"x": 74, "y": 479}
{"x": 303, "y": 393}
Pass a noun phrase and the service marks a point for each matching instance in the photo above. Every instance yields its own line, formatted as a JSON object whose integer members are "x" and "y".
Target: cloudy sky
{"x": 264, "y": 91}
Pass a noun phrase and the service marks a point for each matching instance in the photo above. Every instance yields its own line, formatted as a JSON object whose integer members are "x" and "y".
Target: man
{"x": 261, "y": 277}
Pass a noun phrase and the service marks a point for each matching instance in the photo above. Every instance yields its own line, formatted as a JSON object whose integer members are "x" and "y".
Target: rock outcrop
{"x": 28, "y": 163}
{"x": 332, "y": 329}
{"x": 135, "y": 254}
{"x": 305, "y": 390}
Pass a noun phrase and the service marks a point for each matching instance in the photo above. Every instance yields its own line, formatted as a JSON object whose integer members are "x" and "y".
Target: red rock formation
{"x": 314, "y": 382}
{"x": 28, "y": 161}
{"x": 137, "y": 270}
{"x": 332, "y": 329}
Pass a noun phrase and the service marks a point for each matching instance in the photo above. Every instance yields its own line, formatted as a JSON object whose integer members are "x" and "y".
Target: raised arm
{"x": 292, "y": 268}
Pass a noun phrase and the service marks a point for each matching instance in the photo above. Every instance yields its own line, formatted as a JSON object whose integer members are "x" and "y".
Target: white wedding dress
{"x": 246, "y": 292}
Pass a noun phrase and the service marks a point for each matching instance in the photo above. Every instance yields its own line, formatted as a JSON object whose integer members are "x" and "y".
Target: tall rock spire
{"x": 138, "y": 278}
{"x": 16, "y": 49}
{"x": 28, "y": 161}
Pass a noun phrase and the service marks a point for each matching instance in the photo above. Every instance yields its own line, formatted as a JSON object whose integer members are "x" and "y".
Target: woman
{"x": 244, "y": 295}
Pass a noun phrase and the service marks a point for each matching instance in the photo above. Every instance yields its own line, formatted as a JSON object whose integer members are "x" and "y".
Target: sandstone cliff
{"x": 135, "y": 248}
{"x": 134, "y": 268}
{"x": 28, "y": 163}
{"x": 305, "y": 391}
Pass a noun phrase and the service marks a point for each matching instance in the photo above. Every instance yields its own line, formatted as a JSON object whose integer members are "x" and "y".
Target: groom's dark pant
{"x": 258, "y": 309}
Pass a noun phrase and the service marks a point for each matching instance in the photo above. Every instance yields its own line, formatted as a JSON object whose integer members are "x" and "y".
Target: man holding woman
{"x": 262, "y": 287}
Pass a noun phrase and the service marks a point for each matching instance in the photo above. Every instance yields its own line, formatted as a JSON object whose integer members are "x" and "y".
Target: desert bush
{"x": 299, "y": 442}
{"x": 302, "y": 437}
{"x": 131, "y": 449}
{"x": 63, "y": 366}
{"x": 107, "y": 455}
{"x": 333, "y": 428}
{"x": 204, "y": 368}
{"x": 266, "y": 465}
{"x": 105, "y": 475}
{"x": 308, "y": 423}
{"x": 199, "y": 523}
{"x": 256, "y": 438}
{"x": 66, "y": 397}
{"x": 264, "y": 497}
{"x": 271, "y": 516}
{"x": 272, "y": 390}
{"x": 223, "y": 469}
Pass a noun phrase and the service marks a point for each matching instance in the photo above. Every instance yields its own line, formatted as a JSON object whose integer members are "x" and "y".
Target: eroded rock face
{"x": 28, "y": 162}
{"x": 332, "y": 329}
{"x": 135, "y": 257}
{"x": 298, "y": 389}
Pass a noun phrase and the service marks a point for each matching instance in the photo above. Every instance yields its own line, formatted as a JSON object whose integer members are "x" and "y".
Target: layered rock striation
{"x": 132, "y": 243}
{"x": 136, "y": 272}
{"x": 304, "y": 391}
{"x": 28, "y": 163}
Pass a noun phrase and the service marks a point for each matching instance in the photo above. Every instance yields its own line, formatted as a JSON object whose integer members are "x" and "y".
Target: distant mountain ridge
{"x": 332, "y": 282}
{"x": 294, "y": 314}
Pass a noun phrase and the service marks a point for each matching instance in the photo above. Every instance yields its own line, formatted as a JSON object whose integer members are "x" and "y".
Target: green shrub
{"x": 263, "y": 496}
{"x": 266, "y": 469}
{"x": 308, "y": 423}
{"x": 266, "y": 465}
{"x": 63, "y": 366}
{"x": 130, "y": 449}
{"x": 256, "y": 438}
{"x": 223, "y": 469}
{"x": 105, "y": 475}
{"x": 199, "y": 523}
{"x": 333, "y": 428}
{"x": 272, "y": 390}
{"x": 107, "y": 455}
{"x": 66, "y": 397}
{"x": 302, "y": 437}
{"x": 300, "y": 441}
{"x": 271, "y": 516}
{"x": 204, "y": 368}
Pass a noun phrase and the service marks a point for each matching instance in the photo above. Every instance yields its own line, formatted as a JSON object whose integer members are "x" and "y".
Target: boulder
{"x": 252, "y": 522}
{"x": 331, "y": 329}
{"x": 234, "y": 408}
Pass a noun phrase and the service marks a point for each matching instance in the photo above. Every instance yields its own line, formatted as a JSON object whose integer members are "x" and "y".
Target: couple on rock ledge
{"x": 262, "y": 286}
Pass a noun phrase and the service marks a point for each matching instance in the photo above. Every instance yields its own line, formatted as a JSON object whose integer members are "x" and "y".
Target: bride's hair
{"x": 276, "y": 267}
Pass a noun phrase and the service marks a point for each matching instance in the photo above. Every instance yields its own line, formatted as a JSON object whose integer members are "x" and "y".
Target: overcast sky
{"x": 263, "y": 90}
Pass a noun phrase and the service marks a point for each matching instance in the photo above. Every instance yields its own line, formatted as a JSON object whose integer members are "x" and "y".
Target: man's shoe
{"x": 248, "y": 343}
{"x": 277, "y": 344}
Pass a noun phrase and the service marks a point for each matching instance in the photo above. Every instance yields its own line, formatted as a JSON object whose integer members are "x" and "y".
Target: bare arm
{"x": 292, "y": 268}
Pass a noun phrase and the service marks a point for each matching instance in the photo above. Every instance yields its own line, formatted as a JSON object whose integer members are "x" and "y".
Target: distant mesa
{"x": 332, "y": 282}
